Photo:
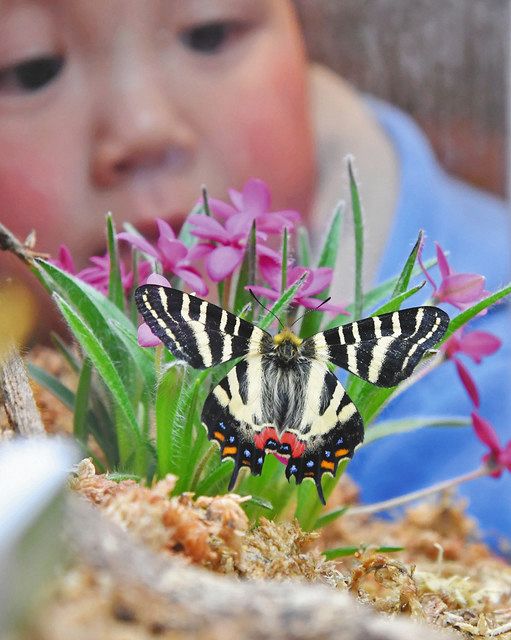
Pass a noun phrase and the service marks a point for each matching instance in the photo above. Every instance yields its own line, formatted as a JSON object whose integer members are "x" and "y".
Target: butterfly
{"x": 281, "y": 397}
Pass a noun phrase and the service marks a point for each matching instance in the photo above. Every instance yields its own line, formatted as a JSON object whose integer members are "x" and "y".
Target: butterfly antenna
{"x": 266, "y": 308}
{"x": 315, "y": 309}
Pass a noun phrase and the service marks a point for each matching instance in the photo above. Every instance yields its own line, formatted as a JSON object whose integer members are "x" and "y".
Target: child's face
{"x": 131, "y": 105}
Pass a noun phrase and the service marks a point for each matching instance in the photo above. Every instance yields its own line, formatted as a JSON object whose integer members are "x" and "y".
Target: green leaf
{"x": 462, "y": 318}
{"x": 109, "y": 373}
{"x": 308, "y": 506}
{"x": 117, "y": 476}
{"x": 359, "y": 243}
{"x": 311, "y": 323}
{"x": 170, "y": 388}
{"x": 329, "y": 517}
{"x": 342, "y": 552}
{"x": 115, "y": 288}
{"x": 304, "y": 250}
{"x": 282, "y": 303}
{"x": 81, "y": 406}
{"x": 54, "y": 385}
{"x": 142, "y": 356}
{"x": 97, "y": 311}
{"x": 404, "y": 278}
{"x": 391, "y": 427}
{"x": 395, "y": 303}
{"x": 217, "y": 480}
{"x": 66, "y": 352}
{"x": 247, "y": 273}
{"x": 283, "y": 279}
{"x": 260, "y": 502}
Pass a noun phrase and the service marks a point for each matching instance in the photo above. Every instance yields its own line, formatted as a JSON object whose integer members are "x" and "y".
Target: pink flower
{"x": 97, "y": 275}
{"x": 476, "y": 345}
{"x": 498, "y": 458}
{"x": 171, "y": 252}
{"x": 146, "y": 337}
{"x": 316, "y": 281}
{"x": 462, "y": 290}
{"x": 225, "y": 245}
{"x": 253, "y": 202}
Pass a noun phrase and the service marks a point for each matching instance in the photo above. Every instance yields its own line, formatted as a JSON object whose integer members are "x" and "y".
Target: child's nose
{"x": 139, "y": 127}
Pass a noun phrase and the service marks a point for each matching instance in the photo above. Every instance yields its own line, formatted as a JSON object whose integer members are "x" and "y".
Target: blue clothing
{"x": 474, "y": 228}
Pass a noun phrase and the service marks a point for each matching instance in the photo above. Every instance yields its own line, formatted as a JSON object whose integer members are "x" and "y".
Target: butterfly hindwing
{"x": 302, "y": 414}
{"x": 194, "y": 330}
{"x": 385, "y": 349}
{"x": 232, "y": 416}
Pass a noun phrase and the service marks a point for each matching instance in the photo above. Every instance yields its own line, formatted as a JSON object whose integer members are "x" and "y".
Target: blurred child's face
{"x": 131, "y": 105}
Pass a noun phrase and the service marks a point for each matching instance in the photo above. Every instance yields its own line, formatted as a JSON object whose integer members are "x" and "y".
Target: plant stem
{"x": 200, "y": 467}
{"x": 421, "y": 493}
{"x": 226, "y": 293}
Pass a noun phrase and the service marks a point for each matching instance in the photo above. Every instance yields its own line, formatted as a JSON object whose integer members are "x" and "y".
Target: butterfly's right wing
{"x": 195, "y": 330}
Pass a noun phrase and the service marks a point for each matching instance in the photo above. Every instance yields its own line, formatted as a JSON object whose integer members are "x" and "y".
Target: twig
{"x": 18, "y": 398}
{"x": 416, "y": 495}
{"x": 22, "y": 250}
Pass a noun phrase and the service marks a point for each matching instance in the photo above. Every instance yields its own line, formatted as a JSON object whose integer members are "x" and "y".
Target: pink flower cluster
{"x": 462, "y": 290}
{"x": 97, "y": 274}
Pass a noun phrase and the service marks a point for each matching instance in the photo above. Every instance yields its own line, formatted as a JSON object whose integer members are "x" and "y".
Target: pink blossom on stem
{"x": 253, "y": 202}
{"x": 146, "y": 337}
{"x": 224, "y": 246}
{"x": 97, "y": 274}
{"x": 476, "y": 345}
{"x": 462, "y": 290}
{"x": 316, "y": 281}
{"x": 171, "y": 252}
{"x": 498, "y": 458}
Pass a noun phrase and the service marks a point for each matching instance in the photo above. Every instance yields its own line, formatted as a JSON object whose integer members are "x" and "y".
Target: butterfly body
{"x": 281, "y": 397}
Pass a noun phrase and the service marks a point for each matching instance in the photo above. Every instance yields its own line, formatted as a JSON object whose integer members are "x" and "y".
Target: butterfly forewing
{"x": 385, "y": 349}
{"x": 195, "y": 330}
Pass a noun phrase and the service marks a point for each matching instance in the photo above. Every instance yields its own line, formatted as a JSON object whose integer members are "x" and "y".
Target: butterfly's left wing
{"x": 195, "y": 330}
{"x": 384, "y": 349}
{"x": 322, "y": 428}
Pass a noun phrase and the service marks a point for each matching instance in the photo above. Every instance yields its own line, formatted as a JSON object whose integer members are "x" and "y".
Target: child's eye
{"x": 30, "y": 75}
{"x": 207, "y": 38}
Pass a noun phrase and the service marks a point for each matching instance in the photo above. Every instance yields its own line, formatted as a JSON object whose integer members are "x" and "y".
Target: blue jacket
{"x": 474, "y": 227}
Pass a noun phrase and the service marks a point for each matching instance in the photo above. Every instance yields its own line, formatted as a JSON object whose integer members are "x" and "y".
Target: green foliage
{"x": 142, "y": 408}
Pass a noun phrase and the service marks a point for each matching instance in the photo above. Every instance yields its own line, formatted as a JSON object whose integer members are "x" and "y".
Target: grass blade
{"x": 404, "y": 278}
{"x": 330, "y": 517}
{"x": 342, "y": 552}
{"x": 304, "y": 250}
{"x": 284, "y": 300}
{"x": 247, "y": 273}
{"x": 115, "y": 288}
{"x": 395, "y": 303}
{"x": 391, "y": 427}
{"x": 81, "y": 406}
{"x": 311, "y": 322}
{"x": 359, "y": 243}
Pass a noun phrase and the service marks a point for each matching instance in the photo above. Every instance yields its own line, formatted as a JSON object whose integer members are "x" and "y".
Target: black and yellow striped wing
{"x": 384, "y": 349}
{"x": 194, "y": 330}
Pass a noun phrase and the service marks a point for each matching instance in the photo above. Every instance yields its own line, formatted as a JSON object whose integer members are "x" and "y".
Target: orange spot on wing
{"x": 341, "y": 452}
{"x": 219, "y": 436}
{"x": 229, "y": 451}
{"x": 325, "y": 464}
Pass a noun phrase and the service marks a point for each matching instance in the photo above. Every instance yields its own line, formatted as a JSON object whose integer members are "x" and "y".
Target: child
{"x": 130, "y": 106}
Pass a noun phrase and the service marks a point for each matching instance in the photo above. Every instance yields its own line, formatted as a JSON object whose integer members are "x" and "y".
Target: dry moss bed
{"x": 444, "y": 577}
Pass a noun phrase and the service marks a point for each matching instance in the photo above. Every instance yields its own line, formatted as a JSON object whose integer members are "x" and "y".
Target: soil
{"x": 445, "y": 576}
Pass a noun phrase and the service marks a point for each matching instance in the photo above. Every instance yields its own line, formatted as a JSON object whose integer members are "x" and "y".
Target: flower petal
{"x": 468, "y": 381}
{"x": 256, "y": 197}
{"x": 165, "y": 229}
{"x": 478, "y": 344}
{"x": 138, "y": 242}
{"x": 461, "y": 288}
{"x": 208, "y": 228}
{"x": 156, "y": 278}
{"x": 443, "y": 265}
{"x": 146, "y": 337}
{"x": 319, "y": 279}
{"x": 192, "y": 279}
{"x": 314, "y": 303}
{"x": 171, "y": 252}
{"x": 221, "y": 208}
{"x": 222, "y": 261}
{"x": 486, "y": 433}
